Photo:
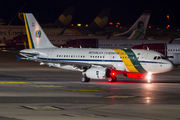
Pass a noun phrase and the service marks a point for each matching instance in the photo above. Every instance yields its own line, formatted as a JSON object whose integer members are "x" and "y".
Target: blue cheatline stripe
{"x": 94, "y": 60}
{"x": 151, "y": 62}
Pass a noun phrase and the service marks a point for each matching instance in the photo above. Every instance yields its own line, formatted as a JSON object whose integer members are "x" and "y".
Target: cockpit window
{"x": 163, "y": 57}
{"x": 159, "y": 57}
{"x": 170, "y": 56}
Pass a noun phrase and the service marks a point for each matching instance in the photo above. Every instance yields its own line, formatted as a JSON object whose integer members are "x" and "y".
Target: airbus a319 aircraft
{"x": 92, "y": 62}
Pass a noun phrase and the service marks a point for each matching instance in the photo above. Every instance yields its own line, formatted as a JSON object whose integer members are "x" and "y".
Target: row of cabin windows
{"x": 168, "y": 49}
{"x": 115, "y": 45}
{"x": 79, "y": 56}
{"x": 72, "y": 56}
{"x": 59, "y": 40}
{"x": 82, "y": 56}
{"x": 96, "y": 56}
{"x": 173, "y": 49}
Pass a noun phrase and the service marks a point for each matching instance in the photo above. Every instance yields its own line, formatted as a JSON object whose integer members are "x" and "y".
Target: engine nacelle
{"x": 175, "y": 58}
{"x": 135, "y": 75}
{"x": 98, "y": 73}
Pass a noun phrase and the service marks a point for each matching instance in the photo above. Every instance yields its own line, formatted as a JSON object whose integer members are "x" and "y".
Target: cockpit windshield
{"x": 163, "y": 57}
{"x": 159, "y": 57}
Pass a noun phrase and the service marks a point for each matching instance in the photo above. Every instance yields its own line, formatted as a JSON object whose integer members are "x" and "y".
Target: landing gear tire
{"x": 112, "y": 79}
{"x": 85, "y": 79}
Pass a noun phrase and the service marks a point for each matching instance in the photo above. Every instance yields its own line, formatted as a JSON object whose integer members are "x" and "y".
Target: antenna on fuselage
{"x": 147, "y": 48}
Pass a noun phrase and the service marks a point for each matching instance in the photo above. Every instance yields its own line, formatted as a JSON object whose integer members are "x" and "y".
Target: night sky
{"x": 124, "y": 11}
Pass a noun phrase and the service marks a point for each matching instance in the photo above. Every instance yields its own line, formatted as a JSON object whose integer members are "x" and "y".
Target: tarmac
{"x": 29, "y": 91}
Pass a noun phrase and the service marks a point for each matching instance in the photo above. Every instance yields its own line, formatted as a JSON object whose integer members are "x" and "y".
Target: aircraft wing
{"x": 24, "y": 53}
{"x": 80, "y": 65}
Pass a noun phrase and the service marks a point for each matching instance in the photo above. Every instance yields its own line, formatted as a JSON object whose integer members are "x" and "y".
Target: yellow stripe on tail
{"x": 28, "y": 32}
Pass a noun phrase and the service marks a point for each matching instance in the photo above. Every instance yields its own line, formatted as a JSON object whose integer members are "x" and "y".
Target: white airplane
{"x": 93, "y": 63}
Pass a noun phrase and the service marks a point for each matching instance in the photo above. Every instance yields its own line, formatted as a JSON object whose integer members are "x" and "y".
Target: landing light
{"x": 149, "y": 73}
{"x": 148, "y": 77}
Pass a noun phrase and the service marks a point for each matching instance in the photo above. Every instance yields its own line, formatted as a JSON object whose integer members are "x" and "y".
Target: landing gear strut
{"x": 148, "y": 77}
{"x": 112, "y": 79}
{"x": 85, "y": 79}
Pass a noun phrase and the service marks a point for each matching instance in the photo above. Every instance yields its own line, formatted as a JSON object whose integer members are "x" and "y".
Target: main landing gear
{"x": 85, "y": 79}
{"x": 112, "y": 79}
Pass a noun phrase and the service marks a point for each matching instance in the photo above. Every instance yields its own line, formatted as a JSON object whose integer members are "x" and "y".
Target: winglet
{"x": 18, "y": 58}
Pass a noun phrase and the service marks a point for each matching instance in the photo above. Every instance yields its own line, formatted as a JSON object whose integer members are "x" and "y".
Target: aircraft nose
{"x": 169, "y": 66}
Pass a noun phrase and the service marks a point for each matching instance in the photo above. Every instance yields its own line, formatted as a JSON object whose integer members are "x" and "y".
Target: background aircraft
{"x": 64, "y": 19}
{"x": 7, "y": 32}
{"x": 106, "y": 43}
{"x": 90, "y": 41}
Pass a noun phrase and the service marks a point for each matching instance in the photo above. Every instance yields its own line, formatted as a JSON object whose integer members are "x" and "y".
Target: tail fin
{"x": 101, "y": 20}
{"x": 139, "y": 27}
{"x": 36, "y": 36}
{"x": 65, "y": 18}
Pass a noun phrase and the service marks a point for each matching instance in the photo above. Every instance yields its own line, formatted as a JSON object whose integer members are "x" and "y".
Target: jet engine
{"x": 98, "y": 73}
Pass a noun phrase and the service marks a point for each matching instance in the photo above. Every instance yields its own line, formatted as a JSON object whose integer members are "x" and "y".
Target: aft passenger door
{"x": 49, "y": 54}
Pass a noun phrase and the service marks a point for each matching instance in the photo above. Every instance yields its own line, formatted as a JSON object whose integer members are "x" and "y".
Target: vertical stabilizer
{"x": 101, "y": 20}
{"x": 65, "y": 18}
{"x": 138, "y": 29}
{"x": 36, "y": 36}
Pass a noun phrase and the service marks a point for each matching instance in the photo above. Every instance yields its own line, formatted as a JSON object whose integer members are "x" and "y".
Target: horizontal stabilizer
{"x": 18, "y": 58}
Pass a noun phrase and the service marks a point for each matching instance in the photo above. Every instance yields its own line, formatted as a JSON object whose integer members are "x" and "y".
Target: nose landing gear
{"x": 148, "y": 77}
